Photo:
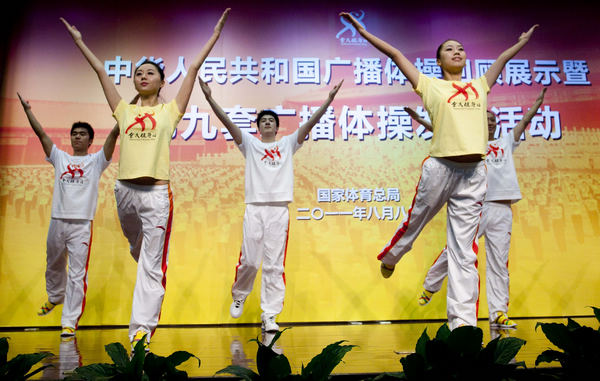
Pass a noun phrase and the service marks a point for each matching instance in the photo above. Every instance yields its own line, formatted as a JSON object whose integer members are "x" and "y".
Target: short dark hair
{"x": 85, "y": 125}
{"x": 268, "y": 112}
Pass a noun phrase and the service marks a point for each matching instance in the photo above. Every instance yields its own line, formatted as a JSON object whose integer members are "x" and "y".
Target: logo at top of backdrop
{"x": 348, "y": 34}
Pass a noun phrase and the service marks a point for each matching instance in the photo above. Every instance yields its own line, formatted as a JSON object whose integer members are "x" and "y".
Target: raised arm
{"x": 37, "y": 127}
{"x": 316, "y": 116}
{"x": 234, "y": 130}
{"x": 111, "y": 141}
{"x": 494, "y": 71}
{"x": 183, "y": 96}
{"x": 406, "y": 67}
{"x": 110, "y": 91}
{"x": 520, "y": 127}
{"x": 413, "y": 114}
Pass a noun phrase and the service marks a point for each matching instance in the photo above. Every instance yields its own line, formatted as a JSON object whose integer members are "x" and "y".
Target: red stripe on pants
{"x": 287, "y": 237}
{"x": 87, "y": 264}
{"x": 165, "y": 251}
{"x": 404, "y": 227}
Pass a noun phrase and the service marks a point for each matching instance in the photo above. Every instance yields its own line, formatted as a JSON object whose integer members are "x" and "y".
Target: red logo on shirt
{"x": 271, "y": 154}
{"x": 72, "y": 170}
{"x": 140, "y": 120}
{"x": 463, "y": 91}
{"x": 494, "y": 150}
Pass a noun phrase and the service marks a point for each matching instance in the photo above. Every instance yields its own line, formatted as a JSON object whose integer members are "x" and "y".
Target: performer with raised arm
{"x": 142, "y": 191}
{"x": 74, "y": 203}
{"x": 496, "y": 219}
{"x": 269, "y": 188}
{"x": 455, "y": 171}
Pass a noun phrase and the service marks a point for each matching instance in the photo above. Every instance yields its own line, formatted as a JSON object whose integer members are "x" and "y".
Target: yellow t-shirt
{"x": 145, "y": 138}
{"x": 458, "y": 115}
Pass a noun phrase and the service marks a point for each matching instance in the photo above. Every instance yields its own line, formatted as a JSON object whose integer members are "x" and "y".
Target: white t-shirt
{"x": 501, "y": 173}
{"x": 269, "y": 168}
{"x": 76, "y": 183}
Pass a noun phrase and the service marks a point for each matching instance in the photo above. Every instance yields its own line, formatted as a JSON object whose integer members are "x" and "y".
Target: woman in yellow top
{"x": 144, "y": 199}
{"x": 455, "y": 171}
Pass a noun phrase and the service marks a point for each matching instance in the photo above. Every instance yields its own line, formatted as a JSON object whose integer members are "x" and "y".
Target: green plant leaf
{"x": 420, "y": 347}
{"x": 438, "y": 355}
{"x": 119, "y": 355}
{"x": 179, "y": 357}
{"x": 549, "y": 356}
{"x": 176, "y": 375}
{"x": 19, "y": 366}
{"x": 155, "y": 366}
{"x": 487, "y": 355}
{"x": 321, "y": 366}
{"x": 31, "y": 374}
{"x": 596, "y": 313}
{"x": 572, "y": 324}
{"x": 387, "y": 375}
{"x": 96, "y": 371}
{"x": 241, "y": 372}
{"x": 587, "y": 341}
{"x": 466, "y": 341}
{"x": 3, "y": 350}
{"x": 136, "y": 365}
{"x": 276, "y": 337}
{"x": 270, "y": 365}
{"x": 558, "y": 334}
{"x": 164, "y": 368}
{"x": 507, "y": 349}
{"x": 413, "y": 366}
{"x": 443, "y": 333}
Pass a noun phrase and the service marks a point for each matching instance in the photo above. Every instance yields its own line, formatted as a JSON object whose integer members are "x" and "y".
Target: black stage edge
{"x": 281, "y": 324}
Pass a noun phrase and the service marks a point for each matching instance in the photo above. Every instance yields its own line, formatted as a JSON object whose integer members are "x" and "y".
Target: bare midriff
{"x": 472, "y": 158}
{"x": 146, "y": 181}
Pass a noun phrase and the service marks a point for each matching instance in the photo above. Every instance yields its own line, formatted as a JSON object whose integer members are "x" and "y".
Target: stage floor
{"x": 380, "y": 345}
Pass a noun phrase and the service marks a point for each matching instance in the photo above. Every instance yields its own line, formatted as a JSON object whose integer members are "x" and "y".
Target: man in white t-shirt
{"x": 74, "y": 202}
{"x": 496, "y": 219}
{"x": 269, "y": 187}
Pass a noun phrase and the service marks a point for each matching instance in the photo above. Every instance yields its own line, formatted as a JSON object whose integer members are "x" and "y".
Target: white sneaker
{"x": 67, "y": 332}
{"x": 236, "y": 309}
{"x": 269, "y": 325}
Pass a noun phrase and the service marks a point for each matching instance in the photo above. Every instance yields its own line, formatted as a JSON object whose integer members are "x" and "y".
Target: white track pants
{"x": 146, "y": 214}
{"x": 496, "y": 226}
{"x": 68, "y": 240}
{"x": 462, "y": 186}
{"x": 265, "y": 239}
